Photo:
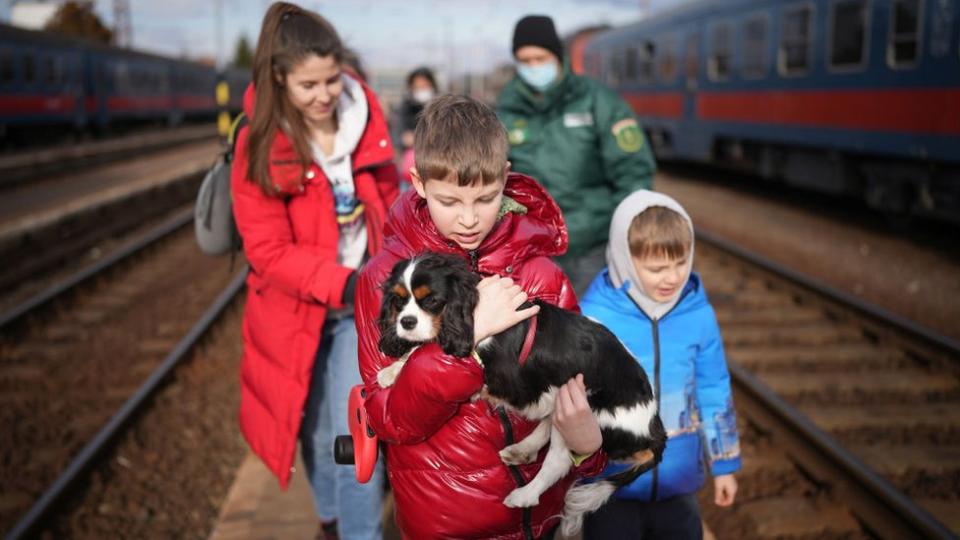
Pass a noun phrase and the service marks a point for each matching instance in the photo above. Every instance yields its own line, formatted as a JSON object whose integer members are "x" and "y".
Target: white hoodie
{"x": 352, "y": 112}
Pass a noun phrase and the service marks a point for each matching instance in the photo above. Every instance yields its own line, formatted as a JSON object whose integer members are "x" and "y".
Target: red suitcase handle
{"x": 360, "y": 448}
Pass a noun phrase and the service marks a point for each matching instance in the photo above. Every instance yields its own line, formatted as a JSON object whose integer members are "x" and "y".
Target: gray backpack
{"x": 213, "y": 222}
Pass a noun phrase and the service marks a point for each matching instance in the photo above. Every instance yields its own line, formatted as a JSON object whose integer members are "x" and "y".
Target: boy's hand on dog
{"x": 497, "y": 306}
{"x": 574, "y": 419}
{"x": 724, "y": 489}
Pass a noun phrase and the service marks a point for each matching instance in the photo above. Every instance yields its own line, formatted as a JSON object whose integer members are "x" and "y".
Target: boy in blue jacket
{"x": 649, "y": 297}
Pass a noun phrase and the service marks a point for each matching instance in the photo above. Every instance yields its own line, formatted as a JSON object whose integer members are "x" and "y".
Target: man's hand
{"x": 724, "y": 489}
{"x": 574, "y": 419}
{"x": 497, "y": 307}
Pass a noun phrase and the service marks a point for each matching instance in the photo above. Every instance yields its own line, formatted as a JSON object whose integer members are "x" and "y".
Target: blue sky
{"x": 470, "y": 34}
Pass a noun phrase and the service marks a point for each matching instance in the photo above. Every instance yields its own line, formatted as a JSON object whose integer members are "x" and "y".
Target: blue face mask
{"x": 540, "y": 77}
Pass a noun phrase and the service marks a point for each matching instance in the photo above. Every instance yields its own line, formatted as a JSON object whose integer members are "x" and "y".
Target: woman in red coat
{"x": 312, "y": 180}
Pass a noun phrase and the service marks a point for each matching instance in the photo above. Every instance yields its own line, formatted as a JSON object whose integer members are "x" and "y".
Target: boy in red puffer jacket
{"x": 442, "y": 448}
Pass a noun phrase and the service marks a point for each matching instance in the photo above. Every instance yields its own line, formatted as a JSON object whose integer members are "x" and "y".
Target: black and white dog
{"x": 433, "y": 296}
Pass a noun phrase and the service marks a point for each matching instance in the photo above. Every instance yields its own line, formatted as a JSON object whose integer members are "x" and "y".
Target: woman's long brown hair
{"x": 288, "y": 36}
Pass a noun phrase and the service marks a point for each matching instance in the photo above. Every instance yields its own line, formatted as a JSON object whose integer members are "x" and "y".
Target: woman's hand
{"x": 724, "y": 489}
{"x": 497, "y": 307}
{"x": 574, "y": 419}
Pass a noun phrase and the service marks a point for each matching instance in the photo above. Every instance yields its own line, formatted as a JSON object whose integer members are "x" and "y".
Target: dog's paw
{"x": 481, "y": 394}
{"x": 522, "y": 498}
{"x": 388, "y": 375}
{"x": 514, "y": 455}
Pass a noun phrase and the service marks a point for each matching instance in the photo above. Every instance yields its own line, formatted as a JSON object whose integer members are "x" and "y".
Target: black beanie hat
{"x": 537, "y": 30}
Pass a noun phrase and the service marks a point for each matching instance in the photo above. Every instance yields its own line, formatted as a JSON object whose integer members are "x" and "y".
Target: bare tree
{"x": 243, "y": 54}
{"x": 76, "y": 18}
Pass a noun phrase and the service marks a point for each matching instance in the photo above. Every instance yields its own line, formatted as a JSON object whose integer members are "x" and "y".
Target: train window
{"x": 165, "y": 82}
{"x": 591, "y": 65}
{"x": 52, "y": 68}
{"x": 755, "y": 46}
{"x": 645, "y": 58}
{"x": 7, "y": 73}
{"x": 795, "y": 39}
{"x": 29, "y": 69}
{"x": 903, "y": 47}
{"x": 614, "y": 72}
{"x": 630, "y": 65}
{"x": 721, "y": 51}
{"x": 691, "y": 58}
{"x": 667, "y": 59}
{"x": 848, "y": 34}
{"x": 102, "y": 77}
{"x": 121, "y": 78}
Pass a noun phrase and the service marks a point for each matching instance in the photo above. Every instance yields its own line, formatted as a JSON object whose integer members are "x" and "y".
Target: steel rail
{"x": 168, "y": 227}
{"x": 915, "y": 329}
{"x": 114, "y": 427}
{"x": 880, "y": 506}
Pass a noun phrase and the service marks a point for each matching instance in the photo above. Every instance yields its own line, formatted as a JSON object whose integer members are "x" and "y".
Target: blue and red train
{"x": 50, "y": 82}
{"x": 851, "y": 97}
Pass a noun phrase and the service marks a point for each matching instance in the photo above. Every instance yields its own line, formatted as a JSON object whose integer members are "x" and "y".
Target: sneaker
{"x": 328, "y": 531}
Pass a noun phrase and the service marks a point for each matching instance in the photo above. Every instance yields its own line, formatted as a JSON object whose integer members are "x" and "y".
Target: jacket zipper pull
{"x": 473, "y": 261}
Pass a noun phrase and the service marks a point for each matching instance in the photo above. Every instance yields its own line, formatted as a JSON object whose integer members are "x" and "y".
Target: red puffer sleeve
{"x": 543, "y": 278}
{"x": 593, "y": 465}
{"x": 431, "y": 385}
{"x": 568, "y": 297}
{"x": 269, "y": 245}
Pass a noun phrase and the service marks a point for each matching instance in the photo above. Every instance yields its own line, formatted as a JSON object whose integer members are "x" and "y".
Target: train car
{"x": 49, "y": 82}
{"x": 848, "y": 97}
{"x": 237, "y": 80}
{"x": 131, "y": 86}
{"x": 193, "y": 94}
{"x": 576, "y": 42}
{"x": 41, "y": 81}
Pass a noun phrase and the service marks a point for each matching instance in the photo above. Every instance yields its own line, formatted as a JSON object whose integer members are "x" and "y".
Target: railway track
{"x": 16, "y": 168}
{"x": 872, "y": 454}
{"x": 81, "y": 360}
{"x": 56, "y": 224}
{"x": 850, "y": 417}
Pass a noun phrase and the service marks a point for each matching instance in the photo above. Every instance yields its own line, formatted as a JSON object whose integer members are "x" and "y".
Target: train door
{"x": 71, "y": 68}
{"x": 101, "y": 81}
{"x": 691, "y": 143}
{"x": 8, "y": 81}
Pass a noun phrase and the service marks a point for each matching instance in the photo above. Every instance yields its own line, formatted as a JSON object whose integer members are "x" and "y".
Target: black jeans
{"x": 623, "y": 519}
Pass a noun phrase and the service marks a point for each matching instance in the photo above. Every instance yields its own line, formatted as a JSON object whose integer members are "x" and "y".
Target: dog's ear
{"x": 456, "y": 326}
{"x": 390, "y": 343}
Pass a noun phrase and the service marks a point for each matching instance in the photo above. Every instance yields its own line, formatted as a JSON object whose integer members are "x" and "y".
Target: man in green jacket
{"x": 575, "y": 136}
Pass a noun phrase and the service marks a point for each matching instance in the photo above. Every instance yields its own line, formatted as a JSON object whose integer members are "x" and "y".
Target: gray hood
{"x": 619, "y": 260}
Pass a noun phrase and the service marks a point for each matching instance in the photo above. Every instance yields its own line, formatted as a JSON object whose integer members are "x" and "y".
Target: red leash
{"x": 528, "y": 341}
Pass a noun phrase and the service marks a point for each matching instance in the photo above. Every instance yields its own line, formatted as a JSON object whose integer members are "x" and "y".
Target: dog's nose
{"x": 408, "y": 322}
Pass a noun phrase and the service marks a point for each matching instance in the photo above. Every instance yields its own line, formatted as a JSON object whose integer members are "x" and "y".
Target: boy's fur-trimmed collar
{"x": 510, "y": 206}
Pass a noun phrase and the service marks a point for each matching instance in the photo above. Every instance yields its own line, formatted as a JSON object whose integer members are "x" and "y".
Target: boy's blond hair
{"x": 461, "y": 136}
{"x": 659, "y": 231}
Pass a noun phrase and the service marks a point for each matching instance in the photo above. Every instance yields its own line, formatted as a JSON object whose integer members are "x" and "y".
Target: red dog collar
{"x": 528, "y": 341}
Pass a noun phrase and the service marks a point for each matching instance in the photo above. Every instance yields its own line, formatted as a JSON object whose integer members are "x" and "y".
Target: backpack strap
{"x": 238, "y": 123}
